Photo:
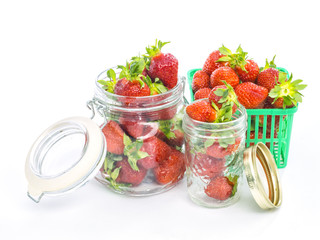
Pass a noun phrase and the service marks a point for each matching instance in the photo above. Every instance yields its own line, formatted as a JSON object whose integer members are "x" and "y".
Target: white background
{"x": 50, "y": 54}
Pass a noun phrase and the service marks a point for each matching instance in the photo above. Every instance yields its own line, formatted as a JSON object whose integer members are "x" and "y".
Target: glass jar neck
{"x": 203, "y": 129}
{"x": 137, "y": 104}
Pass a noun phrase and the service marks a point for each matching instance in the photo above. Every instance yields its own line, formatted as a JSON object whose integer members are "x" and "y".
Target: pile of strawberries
{"x": 150, "y": 74}
{"x": 255, "y": 87}
{"x": 144, "y": 143}
{"x": 227, "y": 80}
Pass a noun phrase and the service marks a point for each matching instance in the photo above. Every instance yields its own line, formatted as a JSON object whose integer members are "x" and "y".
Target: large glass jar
{"x": 145, "y": 141}
{"x": 214, "y": 159}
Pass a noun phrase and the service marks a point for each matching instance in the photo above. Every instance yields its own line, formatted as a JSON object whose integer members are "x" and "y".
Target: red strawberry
{"x": 251, "y": 95}
{"x": 202, "y": 111}
{"x": 163, "y": 114}
{"x": 207, "y": 166}
{"x": 217, "y": 96}
{"x": 202, "y": 93}
{"x": 172, "y": 169}
{"x": 158, "y": 151}
{"x": 173, "y": 137}
{"x": 251, "y": 73}
{"x": 130, "y": 82}
{"x": 145, "y": 72}
{"x": 224, "y": 74}
{"x": 260, "y": 136}
{"x": 268, "y": 78}
{"x": 279, "y": 103}
{"x": 219, "y": 188}
{"x": 178, "y": 140}
{"x": 267, "y": 104}
{"x": 269, "y": 75}
{"x": 217, "y": 150}
{"x": 200, "y": 80}
{"x": 134, "y": 88}
{"x": 132, "y": 127}
{"x": 210, "y": 64}
{"x": 114, "y": 137}
{"x": 247, "y": 70}
{"x": 286, "y": 93}
{"x": 128, "y": 175}
{"x": 162, "y": 66}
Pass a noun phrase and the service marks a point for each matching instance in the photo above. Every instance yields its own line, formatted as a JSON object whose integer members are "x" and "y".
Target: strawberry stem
{"x": 237, "y": 59}
{"x": 288, "y": 90}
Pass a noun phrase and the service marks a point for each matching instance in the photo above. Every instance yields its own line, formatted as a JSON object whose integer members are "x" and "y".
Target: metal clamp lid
{"x": 261, "y": 153}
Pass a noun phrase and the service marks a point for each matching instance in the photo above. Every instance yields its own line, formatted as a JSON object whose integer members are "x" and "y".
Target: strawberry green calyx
{"x": 233, "y": 180}
{"x": 237, "y": 59}
{"x": 222, "y": 138}
{"x": 165, "y": 126}
{"x": 133, "y": 70}
{"x": 155, "y": 49}
{"x": 224, "y": 114}
{"x": 109, "y": 85}
{"x": 156, "y": 87}
{"x": 227, "y": 95}
{"x": 228, "y": 99}
{"x": 112, "y": 172}
{"x": 132, "y": 151}
{"x": 288, "y": 90}
{"x": 270, "y": 64}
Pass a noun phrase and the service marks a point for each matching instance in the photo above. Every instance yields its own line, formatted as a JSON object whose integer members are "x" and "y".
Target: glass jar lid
{"x": 64, "y": 157}
{"x": 259, "y": 157}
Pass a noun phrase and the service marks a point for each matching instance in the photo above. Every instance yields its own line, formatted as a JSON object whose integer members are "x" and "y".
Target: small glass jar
{"x": 214, "y": 159}
{"x": 145, "y": 140}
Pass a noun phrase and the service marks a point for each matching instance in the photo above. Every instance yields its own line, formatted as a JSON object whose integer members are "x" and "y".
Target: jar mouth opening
{"x": 240, "y": 116}
{"x": 48, "y": 158}
{"x": 180, "y": 82}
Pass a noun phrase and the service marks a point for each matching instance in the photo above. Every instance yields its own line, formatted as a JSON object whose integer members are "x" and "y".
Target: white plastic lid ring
{"x": 50, "y": 172}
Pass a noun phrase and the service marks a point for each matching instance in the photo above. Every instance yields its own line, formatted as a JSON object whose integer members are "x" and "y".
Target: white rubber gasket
{"x": 83, "y": 170}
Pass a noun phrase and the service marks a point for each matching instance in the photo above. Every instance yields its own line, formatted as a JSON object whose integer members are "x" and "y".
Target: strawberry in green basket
{"x": 247, "y": 70}
{"x": 162, "y": 65}
{"x": 251, "y": 95}
{"x": 224, "y": 74}
{"x": 260, "y": 136}
{"x": 202, "y": 93}
{"x": 269, "y": 75}
{"x": 212, "y": 63}
{"x": 286, "y": 93}
{"x": 200, "y": 80}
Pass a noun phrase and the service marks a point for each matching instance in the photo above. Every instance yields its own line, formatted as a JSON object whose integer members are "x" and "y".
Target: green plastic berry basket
{"x": 271, "y": 126}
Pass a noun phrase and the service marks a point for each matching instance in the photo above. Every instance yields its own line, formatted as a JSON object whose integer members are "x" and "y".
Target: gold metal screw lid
{"x": 262, "y": 153}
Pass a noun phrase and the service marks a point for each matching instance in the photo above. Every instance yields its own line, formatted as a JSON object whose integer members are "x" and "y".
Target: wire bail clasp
{"x": 96, "y": 105}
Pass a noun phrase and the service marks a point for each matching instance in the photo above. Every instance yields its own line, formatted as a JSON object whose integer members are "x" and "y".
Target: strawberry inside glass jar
{"x": 143, "y": 129}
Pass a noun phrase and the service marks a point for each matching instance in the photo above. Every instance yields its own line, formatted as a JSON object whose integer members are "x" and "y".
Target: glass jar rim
{"x": 133, "y": 104}
{"x": 215, "y": 127}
